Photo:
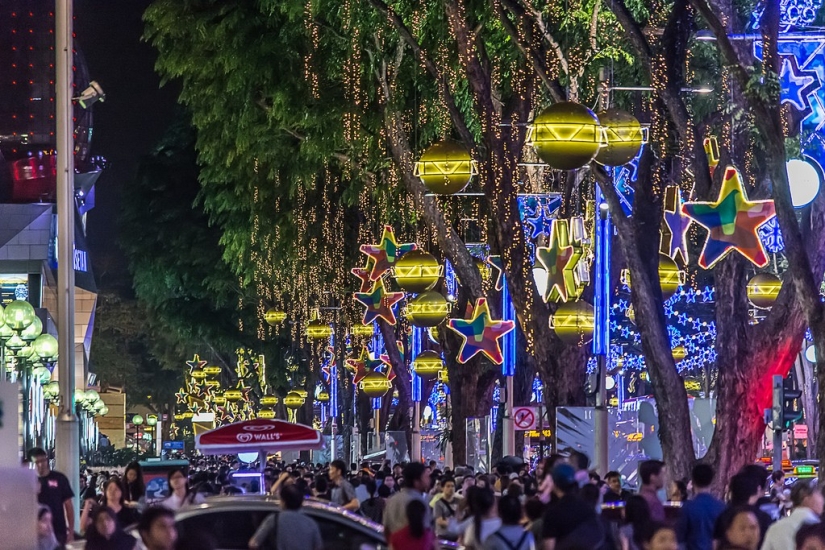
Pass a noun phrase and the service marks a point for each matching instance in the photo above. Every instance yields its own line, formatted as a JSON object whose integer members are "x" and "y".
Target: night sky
{"x": 129, "y": 123}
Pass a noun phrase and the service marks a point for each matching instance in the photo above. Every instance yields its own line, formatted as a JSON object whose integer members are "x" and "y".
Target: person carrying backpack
{"x": 511, "y": 535}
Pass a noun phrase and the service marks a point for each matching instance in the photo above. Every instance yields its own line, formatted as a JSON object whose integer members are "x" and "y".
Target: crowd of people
{"x": 560, "y": 504}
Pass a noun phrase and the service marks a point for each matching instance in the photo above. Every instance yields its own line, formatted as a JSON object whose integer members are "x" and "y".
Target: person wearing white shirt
{"x": 808, "y": 503}
{"x": 179, "y": 494}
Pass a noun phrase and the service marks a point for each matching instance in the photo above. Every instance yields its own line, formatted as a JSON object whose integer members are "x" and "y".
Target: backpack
{"x": 508, "y": 544}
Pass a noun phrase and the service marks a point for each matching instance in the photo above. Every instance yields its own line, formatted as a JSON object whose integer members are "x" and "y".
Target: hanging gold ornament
{"x": 566, "y": 135}
{"x": 625, "y": 137}
{"x": 428, "y": 309}
{"x": 417, "y": 271}
{"x": 427, "y": 365}
{"x": 375, "y": 384}
{"x": 274, "y": 317}
{"x": 763, "y": 288}
{"x": 573, "y": 322}
{"x": 446, "y": 167}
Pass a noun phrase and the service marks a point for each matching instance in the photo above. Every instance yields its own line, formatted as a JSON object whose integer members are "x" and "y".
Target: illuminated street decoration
{"x": 384, "y": 254}
{"x": 196, "y": 364}
{"x": 363, "y": 274}
{"x": 417, "y": 271}
{"x": 574, "y": 322}
{"x": 498, "y": 271}
{"x": 732, "y": 222}
{"x": 624, "y": 135}
{"x": 674, "y": 241}
{"x": 566, "y": 135}
{"x": 763, "y": 289}
{"x": 274, "y": 316}
{"x": 480, "y": 334}
{"x": 711, "y": 147}
{"x": 379, "y": 303}
{"x": 428, "y": 309}
{"x": 559, "y": 259}
{"x": 358, "y": 365}
{"x": 427, "y": 365}
{"x": 446, "y": 167}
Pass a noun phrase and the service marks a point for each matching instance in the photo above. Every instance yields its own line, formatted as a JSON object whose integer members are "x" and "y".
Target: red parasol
{"x": 258, "y": 435}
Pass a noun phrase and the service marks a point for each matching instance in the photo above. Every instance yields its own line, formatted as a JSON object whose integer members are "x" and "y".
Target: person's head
{"x": 321, "y": 484}
{"x": 636, "y": 511}
{"x": 157, "y": 529}
{"x": 811, "y": 537}
{"x": 778, "y": 476}
{"x": 740, "y": 529}
{"x": 397, "y": 469}
{"x": 614, "y": 481}
{"x": 133, "y": 473}
{"x": 178, "y": 480}
{"x": 659, "y": 536}
{"x": 590, "y": 494}
{"x": 594, "y": 478}
{"x": 416, "y": 477}
{"x": 389, "y": 481}
{"x": 371, "y": 487}
{"x": 448, "y": 487}
{"x": 534, "y": 508}
{"x": 480, "y": 501}
{"x": 509, "y": 510}
{"x": 112, "y": 494}
{"x": 384, "y": 492}
{"x": 45, "y": 529}
{"x": 292, "y": 497}
{"x": 416, "y": 513}
{"x": 564, "y": 478}
{"x": 806, "y": 493}
{"x": 104, "y": 522}
{"x": 743, "y": 489}
{"x": 702, "y": 476}
{"x": 40, "y": 459}
{"x": 758, "y": 472}
{"x": 677, "y": 491}
{"x": 652, "y": 473}
{"x": 337, "y": 470}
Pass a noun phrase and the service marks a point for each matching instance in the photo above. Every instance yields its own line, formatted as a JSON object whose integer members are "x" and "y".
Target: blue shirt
{"x": 695, "y": 525}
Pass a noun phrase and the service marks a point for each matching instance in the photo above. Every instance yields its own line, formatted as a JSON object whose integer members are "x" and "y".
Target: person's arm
{"x": 260, "y": 536}
{"x": 353, "y": 505}
{"x": 68, "y": 507}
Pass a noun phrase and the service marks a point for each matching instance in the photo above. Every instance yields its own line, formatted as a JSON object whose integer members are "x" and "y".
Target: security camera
{"x": 90, "y": 95}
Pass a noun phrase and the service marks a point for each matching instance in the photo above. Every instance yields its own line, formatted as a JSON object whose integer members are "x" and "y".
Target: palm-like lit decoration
{"x": 732, "y": 222}
{"x": 384, "y": 254}
{"x": 481, "y": 334}
{"x": 559, "y": 260}
{"x": 379, "y": 303}
{"x": 674, "y": 239}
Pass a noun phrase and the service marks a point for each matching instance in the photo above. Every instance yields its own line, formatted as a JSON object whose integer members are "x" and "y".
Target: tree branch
{"x": 723, "y": 42}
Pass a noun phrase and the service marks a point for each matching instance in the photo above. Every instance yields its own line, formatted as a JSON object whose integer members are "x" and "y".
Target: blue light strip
{"x": 449, "y": 281}
{"x": 333, "y": 382}
{"x": 414, "y": 352}
{"x": 508, "y": 367}
{"x": 601, "y": 333}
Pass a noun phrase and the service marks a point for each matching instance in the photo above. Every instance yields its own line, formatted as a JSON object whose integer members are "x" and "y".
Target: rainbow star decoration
{"x": 386, "y": 359}
{"x": 732, "y": 222}
{"x": 559, "y": 260}
{"x": 495, "y": 263}
{"x": 196, "y": 363}
{"x": 181, "y": 396}
{"x": 358, "y": 365}
{"x": 363, "y": 275}
{"x": 480, "y": 334}
{"x": 674, "y": 240}
{"x": 384, "y": 254}
{"x": 379, "y": 303}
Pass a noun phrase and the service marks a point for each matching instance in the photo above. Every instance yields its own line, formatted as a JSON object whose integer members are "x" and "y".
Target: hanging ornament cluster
{"x": 316, "y": 328}
{"x": 446, "y": 168}
{"x": 480, "y": 334}
{"x": 566, "y": 260}
{"x": 417, "y": 271}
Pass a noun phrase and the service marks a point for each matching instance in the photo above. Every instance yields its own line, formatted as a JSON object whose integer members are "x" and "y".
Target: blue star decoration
{"x": 797, "y": 84}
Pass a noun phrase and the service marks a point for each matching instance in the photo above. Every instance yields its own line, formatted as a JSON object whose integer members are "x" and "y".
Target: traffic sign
{"x": 525, "y": 418}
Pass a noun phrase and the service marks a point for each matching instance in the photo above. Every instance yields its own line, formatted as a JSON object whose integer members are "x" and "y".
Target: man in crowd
{"x": 157, "y": 529}
{"x": 294, "y": 531}
{"x": 56, "y": 493}
{"x": 416, "y": 482}
{"x": 568, "y": 520}
{"x": 699, "y": 514}
{"x": 744, "y": 491}
{"x": 342, "y": 492}
{"x": 807, "y": 501}
{"x": 445, "y": 508}
{"x": 652, "y": 474}
{"x": 615, "y": 493}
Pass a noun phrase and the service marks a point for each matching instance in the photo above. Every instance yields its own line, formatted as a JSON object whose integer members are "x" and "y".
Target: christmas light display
{"x": 480, "y": 334}
{"x": 384, "y": 254}
{"x": 379, "y": 303}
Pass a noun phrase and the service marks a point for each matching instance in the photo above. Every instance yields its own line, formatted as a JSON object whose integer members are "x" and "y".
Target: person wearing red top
{"x": 415, "y": 535}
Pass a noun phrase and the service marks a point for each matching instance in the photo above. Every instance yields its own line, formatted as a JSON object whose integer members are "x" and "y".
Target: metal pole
{"x": 508, "y": 429}
{"x": 67, "y": 442}
{"x": 416, "y": 432}
{"x": 601, "y": 334}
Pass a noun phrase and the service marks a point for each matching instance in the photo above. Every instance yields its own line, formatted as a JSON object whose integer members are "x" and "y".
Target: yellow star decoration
{"x": 560, "y": 260}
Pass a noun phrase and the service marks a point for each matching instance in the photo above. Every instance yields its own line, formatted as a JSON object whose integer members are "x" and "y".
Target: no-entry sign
{"x": 525, "y": 418}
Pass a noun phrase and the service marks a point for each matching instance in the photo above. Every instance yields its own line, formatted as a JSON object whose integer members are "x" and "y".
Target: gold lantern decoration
{"x": 179, "y": 417}
{"x": 293, "y": 400}
{"x": 219, "y": 400}
{"x": 446, "y": 167}
{"x": 198, "y": 374}
{"x": 679, "y": 353}
{"x": 322, "y": 397}
{"x": 361, "y": 330}
{"x": 274, "y": 317}
{"x": 625, "y": 137}
{"x": 375, "y": 384}
{"x": 574, "y": 322}
{"x": 671, "y": 277}
{"x": 566, "y": 135}
{"x": 233, "y": 395}
{"x": 318, "y": 330}
{"x": 427, "y": 309}
{"x": 188, "y": 415}
{"x": 268, "y": 401}
{"x": 427, "y": 365}
{"x": 417, "y": 271}
{"x": 268, "y": 414}
{"x": 213, "y": 370}
{"x": 763, "y": 288}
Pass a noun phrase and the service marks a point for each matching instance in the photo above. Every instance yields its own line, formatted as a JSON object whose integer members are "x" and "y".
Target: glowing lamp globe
{"x": 318, "y": 330}
{"x": 763, "y": 288}
{"x": 26, "y": 353}
{"x": 322, "y": 397}
{"x": 15, "y": 343}
{"x": 19, "y": 314}
{"x": 678, "y": 353}
{"x": 103, "y": 411}
{"x": 213, "y": 370}
{"x": 810, "y": 353}
{"x": 32, "y": 331}
{"x": 427, "y": 309}
{"x": 361, "y": 330}
{"x": 152, "y": 420}
{"x": 427, "y": 365}
{"x": 268, "y": 401}
{"x": 45, "y": 346}
{"x": 42, "y": 375}
{"x": 417, "y": 271}
{"x": 446, "y": 168}
{"x": 624, "y": 137}
{"x": 79, "y": 396}
{"x": 566, "y": 135}
{"x": 137, "y": 420}
{"x": 804, "y": 180}
{"x": 274, "y": 317}
{"x": 375, "y": 384}
{"x": 233, "y": 395}
{"x": 91, "y": 396}
{"x": 6, "y": 331}
{"x": 293, "y": 400}
{"x": 52, "y": 389}
{"x": 267, "y": 414}
{"x": 573, "y": 322}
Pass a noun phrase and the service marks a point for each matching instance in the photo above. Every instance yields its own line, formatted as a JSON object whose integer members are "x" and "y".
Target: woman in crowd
{"x": 511, "y": 535}
{"x": 105, "y": 533}
{"x": 659, "y": 536}
{"x": 484, "y": 521}
{"x": 45, "y": 531}
{"x": 740, "y": 530}
{"x": 132, "y": 485}
{"x": 415, "y": 535}
{"x": 677, "y": 491}
{"x": 179, "y": 491}
{"x": 113, "y": 499}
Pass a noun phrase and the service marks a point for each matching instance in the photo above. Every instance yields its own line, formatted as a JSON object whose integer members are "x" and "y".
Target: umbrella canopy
{"x": 258, "y": 435}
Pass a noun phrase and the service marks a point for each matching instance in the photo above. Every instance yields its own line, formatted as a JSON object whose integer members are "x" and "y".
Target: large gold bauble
{"x": 375, "y": 384}
{"x": 624, "y": 137}
{"x": 427, "y": 309}
{"x": 219, "y": 400}
{"x": 763, "y": 288}
{"x": 417, "y": 271}
{"x": 198, "y": 374}
{"x": 322, "y": 397}
{"x": 566, "y": 135}
{"x": 679, "y": 353}
{"x": 268, "y": 401}
{"x": 233, "y": 395}
{"x": 446, "y": 168}
{"x": 670, "y": 276}
{"x": 293, "y": 400}
{"x": 362, "y": 330}
{"x": 267, "y": 414}
{"x": 427, "y": 365}
{"x": 318, "y": 330}
{"x": 573, "y": 322}
{"x": 274, "y": 317}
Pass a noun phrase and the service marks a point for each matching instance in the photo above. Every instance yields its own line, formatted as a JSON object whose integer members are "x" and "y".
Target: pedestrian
{"x": 321, "y": 489}
{"x": 179, "y": 493}
{"x": 113, "y": 499}
{"x": 56, "y": 493}
{"x": 416, "y": 481}
{"x": 811, "y": 537}
{"x": 484, "y": 520}
{"x": 417, "y": 534}
{"x": 568, "y": 520}
{"x": 778, "y": 492}
{"x": 391, "y": 483}
{"x": 293, "y": 530}
{"x": 45, "y": 530}
{"x": 744, "y": 491}
{"x": 157, "y": 529}
{"x": 635, "y": 516}
{"x": 373, "y": 506}
{"x": 807, "y": 501}
{"x": 91, "y": 489}
{"x": 699, "y": 514}
{"x": 652, "y": 474}
{"x": 534, "y": 509}
{"x": 659, "y": 536}
{"x": 445, "y": 510}
{"x": 614, "y": 492}
{"x": 511, "y": 535}
{"x": 133, "y": 486}
{"x": 739, "y": 530}
{"x": 343, "y": 493}
{"x": 104, "y": 532}
{"x": 677, "y": 491}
